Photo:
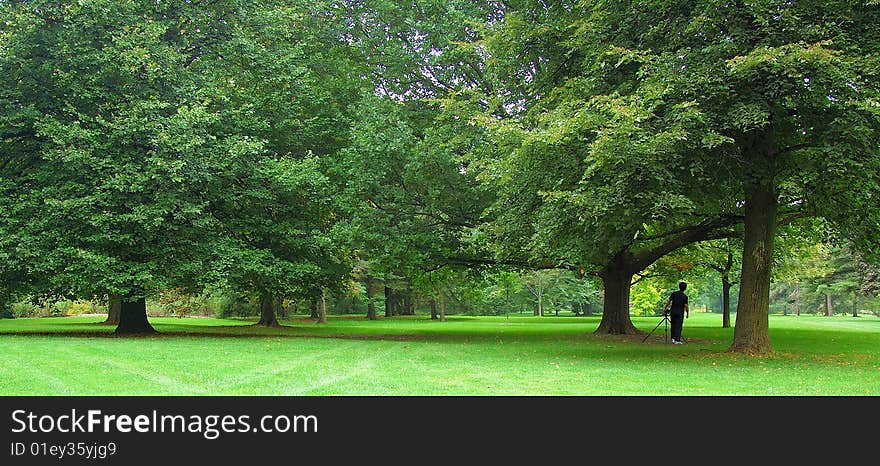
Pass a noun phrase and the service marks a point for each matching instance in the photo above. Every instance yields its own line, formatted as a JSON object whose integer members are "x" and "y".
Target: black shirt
{"x": 679, "y": 300}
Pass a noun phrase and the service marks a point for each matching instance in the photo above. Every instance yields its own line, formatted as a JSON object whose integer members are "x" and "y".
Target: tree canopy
{"x": 288, "y": 149}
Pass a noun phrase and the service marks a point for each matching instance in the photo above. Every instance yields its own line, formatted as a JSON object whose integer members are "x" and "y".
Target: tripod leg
{"x": 655, "y": 328}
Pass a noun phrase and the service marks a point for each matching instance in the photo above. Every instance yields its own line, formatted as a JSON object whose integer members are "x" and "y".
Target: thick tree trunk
{"x": 113, "y": 310}
{"x": 797, "y": 299}
{"x": 388, "y": 303}
{"x": 829, "y": 310}
{"x": 855, "y": 305}
{"x": 442, "y": 303}
{"x": 371, "y": 306}
{"x": 433, "y": 304}
{"x": 752, "y": 332}
{"x": 322, "y": 314}
{"x": 267, "y": 312}
{"x": 615, "y": 311}
{"x": 725, "y": 301}
{"x": 133, "y": 318}
{"x": 540, "y": 305}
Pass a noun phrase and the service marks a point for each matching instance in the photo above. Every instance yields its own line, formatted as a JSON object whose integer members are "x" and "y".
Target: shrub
{"x": 60, "y": 308}
{"x": 25, "y": 309}
{"x": 227, "y": 305}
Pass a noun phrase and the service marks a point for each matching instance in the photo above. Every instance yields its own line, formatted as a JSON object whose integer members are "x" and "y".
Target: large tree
{"x": 677, "y": 109}
{"x": 596, "y": 170}
{"x": 413, "y": 204}
{"x": 793, "y": 90}
{"x": 287, "y": 84}
{"x": 113, "y": 147}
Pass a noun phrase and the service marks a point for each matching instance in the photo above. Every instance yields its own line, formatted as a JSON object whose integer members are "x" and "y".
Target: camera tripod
{"x": 665, "y": 329}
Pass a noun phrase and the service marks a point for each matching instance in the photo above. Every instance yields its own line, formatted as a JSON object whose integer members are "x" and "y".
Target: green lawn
{"x": 414, "y": 356}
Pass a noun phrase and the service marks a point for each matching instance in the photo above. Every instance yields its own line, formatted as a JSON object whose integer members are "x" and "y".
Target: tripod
{"x": 665, "y": 329}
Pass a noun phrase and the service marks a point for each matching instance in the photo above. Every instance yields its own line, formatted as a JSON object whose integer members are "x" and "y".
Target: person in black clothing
{"x": 677, "y": 308}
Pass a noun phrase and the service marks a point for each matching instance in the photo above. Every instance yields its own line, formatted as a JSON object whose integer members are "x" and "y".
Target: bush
{"x": 25, "y": 309}
{"x": 175, "y": 303}
{"x": 227, "y": 305}
{"x": 60, "y": 308}
{"x": 83, "y": 307}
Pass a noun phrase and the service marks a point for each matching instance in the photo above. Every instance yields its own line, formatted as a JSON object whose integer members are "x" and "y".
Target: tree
{"x": 436, "y": 283}
{"x": 722, "y": 257}
{"x": 362, "y": 272}
{"x": 116, "y": 151}
{"x": 413, "y": 206}
{"x": 505, "y": 285}
{"x": 869, "y": 277}
{"x": 596, "y": 170}
{"x": 583, "y": 294}
{"x": 114, "y": 309}
{"x": 285, "y": 85}
{"x": 770, "y": 109}
{"x": 646, "y": 298}
{"x": 414, "y": 203}
{"x": 792, "y": 97}
{"x": 539, "y": 283}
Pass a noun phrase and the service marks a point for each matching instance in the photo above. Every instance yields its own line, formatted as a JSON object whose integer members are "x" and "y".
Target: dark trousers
{"x": 677, "y": 320}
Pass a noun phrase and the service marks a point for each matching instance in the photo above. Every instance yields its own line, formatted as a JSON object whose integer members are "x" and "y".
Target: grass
{"x": 414, "y": 356}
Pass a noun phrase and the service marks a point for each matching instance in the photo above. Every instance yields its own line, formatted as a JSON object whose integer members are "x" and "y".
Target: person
{"x": 677, "y": 308}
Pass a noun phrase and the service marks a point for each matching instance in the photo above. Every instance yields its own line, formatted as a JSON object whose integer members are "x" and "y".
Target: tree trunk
{"x": 313, "y": 310}
{"x": 282, "y": 309}
{"x": 371, "y": 306}
{"x": 114, "y": 308}
{"x": 752, "y": 332}
{"x": 133, "y": 318}
{"x": 408, "y": 304}
{"x": 267, "y": 312}
{"x": 725, "y": 301}
{"x": 322, "y": 314}
{"x": 615, "y": 311}
{"x": 433, "y": 304}
{"x": 442, "y": 306}
{"x": 540, "y": 305}
{"x": 797, "y": 299}
{"x": 388, "y": 303}
{"x": 829, "y": 311}
{"x": 855, "y": 305}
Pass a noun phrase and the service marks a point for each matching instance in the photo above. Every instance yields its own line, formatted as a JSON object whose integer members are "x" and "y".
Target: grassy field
{"x": 414, "y": 356}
